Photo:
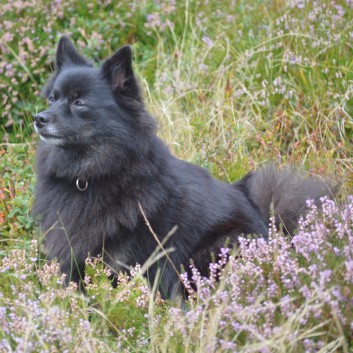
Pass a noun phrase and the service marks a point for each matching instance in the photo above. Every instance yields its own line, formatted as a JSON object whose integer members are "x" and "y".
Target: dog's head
{"x": 88, "y": 105}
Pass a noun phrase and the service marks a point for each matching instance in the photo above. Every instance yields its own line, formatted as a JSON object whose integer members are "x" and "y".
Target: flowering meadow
{"x": 234, "y": 85}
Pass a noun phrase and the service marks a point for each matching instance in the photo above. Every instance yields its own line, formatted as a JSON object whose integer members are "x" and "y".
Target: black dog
{"x": 102, "y": 171}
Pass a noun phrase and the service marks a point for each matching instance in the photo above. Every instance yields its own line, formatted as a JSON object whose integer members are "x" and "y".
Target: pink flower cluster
{"x": 301, "y": 285}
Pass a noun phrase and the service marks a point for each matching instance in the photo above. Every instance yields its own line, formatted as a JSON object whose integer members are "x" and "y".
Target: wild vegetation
{"x": 233, "y": 85}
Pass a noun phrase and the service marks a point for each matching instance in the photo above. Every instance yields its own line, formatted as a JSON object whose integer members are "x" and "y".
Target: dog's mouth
{"x": 47, "y": 137}
{"x": 52, "y": 139}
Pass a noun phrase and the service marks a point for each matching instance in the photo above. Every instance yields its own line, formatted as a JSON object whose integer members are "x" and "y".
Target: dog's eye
{"x": 127, "y": 81}
{"x": 79, "y": 103}
{"x": 51, "y": 99}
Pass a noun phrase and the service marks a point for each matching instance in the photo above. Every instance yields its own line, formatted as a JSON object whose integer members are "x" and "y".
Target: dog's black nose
{"x": 40, "y": 120}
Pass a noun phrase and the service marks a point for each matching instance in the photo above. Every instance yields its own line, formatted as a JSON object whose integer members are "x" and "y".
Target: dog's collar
{"x": 81, "y": 185}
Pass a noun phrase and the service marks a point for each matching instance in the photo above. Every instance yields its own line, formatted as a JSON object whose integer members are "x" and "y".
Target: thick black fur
{"x": 96, "y": 129}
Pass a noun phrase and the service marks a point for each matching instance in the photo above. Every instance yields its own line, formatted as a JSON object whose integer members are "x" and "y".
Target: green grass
{"x": 233, "y": 85}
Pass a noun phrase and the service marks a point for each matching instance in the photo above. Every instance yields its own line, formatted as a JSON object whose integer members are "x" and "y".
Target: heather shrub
{"x": 39, "y": 313}
{"x": 285, "y": 295}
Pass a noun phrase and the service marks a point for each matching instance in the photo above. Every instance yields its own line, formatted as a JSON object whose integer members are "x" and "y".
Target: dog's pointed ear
{"x": 118, "y": 70}
{"x": 67, "y": 55}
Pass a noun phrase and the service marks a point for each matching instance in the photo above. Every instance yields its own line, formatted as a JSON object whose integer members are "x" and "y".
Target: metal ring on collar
{"x": 79, "y": 184}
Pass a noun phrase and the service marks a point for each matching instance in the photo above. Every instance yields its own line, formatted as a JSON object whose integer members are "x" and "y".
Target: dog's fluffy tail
{"x": 284, "y": 193}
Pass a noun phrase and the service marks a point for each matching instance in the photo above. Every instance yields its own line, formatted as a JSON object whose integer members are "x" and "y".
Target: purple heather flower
{"x": 208, "y": 41}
